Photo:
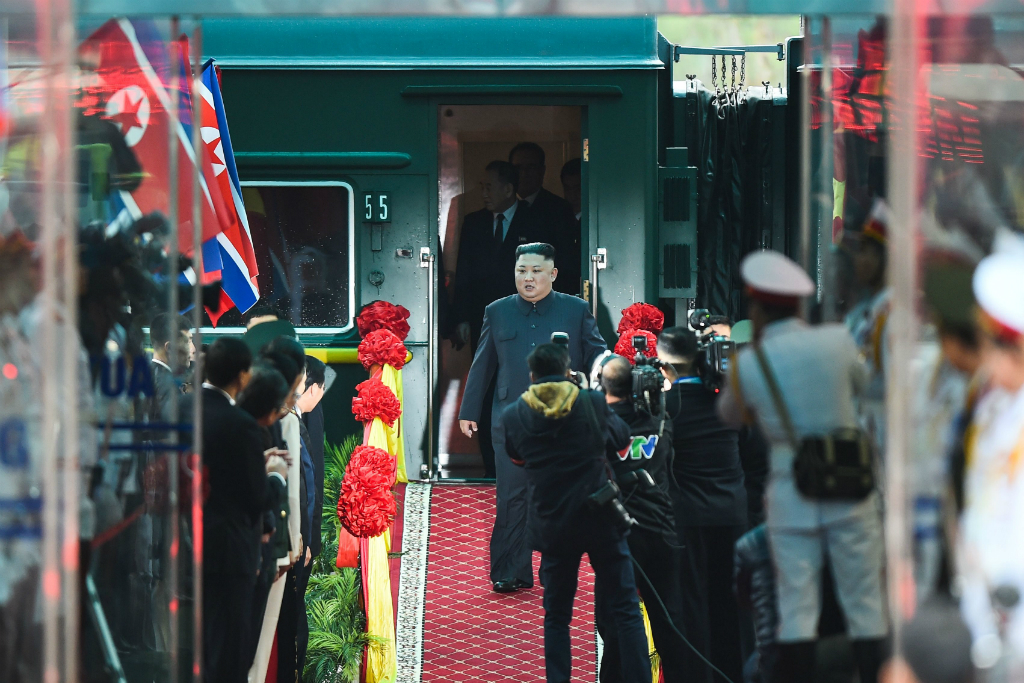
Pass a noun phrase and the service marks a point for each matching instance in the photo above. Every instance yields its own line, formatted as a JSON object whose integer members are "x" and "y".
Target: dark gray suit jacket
{"x": 512, "y": 328}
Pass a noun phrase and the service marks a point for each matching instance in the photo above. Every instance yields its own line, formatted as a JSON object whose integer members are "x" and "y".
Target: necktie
{"x": 499, "y": 231}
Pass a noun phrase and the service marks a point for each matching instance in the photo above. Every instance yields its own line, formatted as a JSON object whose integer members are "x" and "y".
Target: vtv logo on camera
{"x": 641, "y": 447}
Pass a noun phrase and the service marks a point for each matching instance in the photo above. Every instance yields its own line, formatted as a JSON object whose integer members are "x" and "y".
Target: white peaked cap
{"x": 999, "y": 289}
{"x": 771, "y": 273}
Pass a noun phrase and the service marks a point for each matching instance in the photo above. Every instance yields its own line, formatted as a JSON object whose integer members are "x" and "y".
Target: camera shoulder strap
{"x": 777, "y": 399}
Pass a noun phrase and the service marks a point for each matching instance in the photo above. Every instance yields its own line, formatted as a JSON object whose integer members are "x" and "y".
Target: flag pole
{"x": 197, "y": 342}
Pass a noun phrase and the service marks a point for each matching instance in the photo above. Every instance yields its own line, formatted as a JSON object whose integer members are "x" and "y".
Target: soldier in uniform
{"x": 990, "y": 553}
{"x": 512, "y": 328}
{"x": 819, "y": 374}
{"x": 868, "y": 318}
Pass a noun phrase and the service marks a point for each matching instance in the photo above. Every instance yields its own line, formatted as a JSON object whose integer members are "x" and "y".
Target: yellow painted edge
{"x": 340, "y": 356}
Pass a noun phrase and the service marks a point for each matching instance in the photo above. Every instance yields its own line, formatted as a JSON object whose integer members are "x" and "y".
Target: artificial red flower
{"x": 641, "y": 316}
{"x": 366, "y": 513}
{"x": 366, "y": 506}
{"x": 382, "y": 315}
{"x": 382, "y": 347}
{"x": 370, "y": 468}
{"x": 375, "y": 399}
{"x": 624, "y": 347}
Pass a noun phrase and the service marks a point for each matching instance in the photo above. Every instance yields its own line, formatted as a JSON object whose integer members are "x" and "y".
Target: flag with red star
{"x": 133, "y": 91}
{"x": 239, "y": 271}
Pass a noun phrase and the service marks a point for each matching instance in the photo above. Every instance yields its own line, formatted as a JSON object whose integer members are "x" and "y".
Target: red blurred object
{"x": 641, "y": 316}
{"x": 382, "y": 347}
{"x": 382, "y": 315}
{"x": 375, "y": 399}
{"x": 624, "y": 347}
{"x": 366, "y": 505}
{"x": 348, "y": 550}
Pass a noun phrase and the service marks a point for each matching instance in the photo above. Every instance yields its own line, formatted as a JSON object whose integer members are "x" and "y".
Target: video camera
{"x": 714, "y": 352}
{"x": 648, "y": 382}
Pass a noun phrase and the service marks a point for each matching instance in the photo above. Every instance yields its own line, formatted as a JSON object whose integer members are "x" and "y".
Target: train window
{"x": 302, "y": 235}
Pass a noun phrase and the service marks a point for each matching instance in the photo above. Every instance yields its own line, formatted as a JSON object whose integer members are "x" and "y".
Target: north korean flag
{"x": 239, "y": 269}
{"x": 130, "y": 87}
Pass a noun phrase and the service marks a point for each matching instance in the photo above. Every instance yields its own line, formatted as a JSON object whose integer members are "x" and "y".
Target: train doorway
{"x": 548, "y": 144}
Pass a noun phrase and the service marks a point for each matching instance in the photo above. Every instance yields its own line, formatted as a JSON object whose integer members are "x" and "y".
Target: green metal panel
{"x": 432, "y": 43}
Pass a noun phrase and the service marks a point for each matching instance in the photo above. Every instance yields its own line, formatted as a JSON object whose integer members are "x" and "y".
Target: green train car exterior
{"x": 359, "y": 103}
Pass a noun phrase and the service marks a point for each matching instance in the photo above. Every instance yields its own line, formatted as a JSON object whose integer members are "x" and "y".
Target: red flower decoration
{"x": 624, "y": 347}
{"x": 381, "y": 315}
{"x": 366, "y": 506}
{"x": 642, "y": 316}
{"x": 375, "y": 399}
{"x": 382, "y": 347}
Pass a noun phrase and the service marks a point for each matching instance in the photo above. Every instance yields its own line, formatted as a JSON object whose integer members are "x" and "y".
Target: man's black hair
{"x": 160, "y": 332}
{"x": 528, "y": 147}
{"x": 965, "y": 334}
{"x": 548, "y": 360}
{"x": 283, "y": 363}
{"x": 261, "y": 310}
{"x": 316, "y": 372}
{"x": 226, "y": 359}
{"x": 265, "y": 393}
{"x": 777, "y": 311}
{"x": 573, "y": 167}
{"x": 617, "y": 377}
{"x": 507, "y": 173}
{"x": 290, "y": 347}
{"x": 542, "y": 248}
{"x": 680, "y": 342}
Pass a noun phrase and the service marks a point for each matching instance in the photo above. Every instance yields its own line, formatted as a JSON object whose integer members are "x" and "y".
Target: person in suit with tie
{"x": 484, "y": 273}
{"x": 233, "y": 459}
{"x": 557, "y": 224}
{"x": 512, "y": 327}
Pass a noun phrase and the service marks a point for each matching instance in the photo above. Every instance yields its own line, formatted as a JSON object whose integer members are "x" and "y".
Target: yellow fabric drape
{"x": 392, "y": 379}
{"x": 655, "y": 662}
{"x": 381, "y": 658}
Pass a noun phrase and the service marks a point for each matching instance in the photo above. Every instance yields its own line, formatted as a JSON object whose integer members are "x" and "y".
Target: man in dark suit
{"x": 168, "y": 372}
{"x": 487, "y": 254}
{"x": 710, "y": 503}
{"x": 232, "y": 515}
{"x": 512, "y": 328}
{"x": 554, "y": 215}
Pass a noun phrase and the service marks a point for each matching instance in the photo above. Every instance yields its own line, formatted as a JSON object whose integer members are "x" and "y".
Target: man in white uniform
{"x": 990, "y": 553}
{"x": 819, "y": 374}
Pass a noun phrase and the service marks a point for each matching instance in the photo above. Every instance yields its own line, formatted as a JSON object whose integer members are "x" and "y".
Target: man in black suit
{"x": 710, "y": 504}
{"x": 513, "y": 327}
{"x": 168, "y": 372}
{"x": 236, "y": 472}
{"x": 486, "y": 266}
{"x": 554, "y": 215}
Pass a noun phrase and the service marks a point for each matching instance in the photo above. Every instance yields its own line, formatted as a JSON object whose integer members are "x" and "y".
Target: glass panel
{"x": 302, "y": 237}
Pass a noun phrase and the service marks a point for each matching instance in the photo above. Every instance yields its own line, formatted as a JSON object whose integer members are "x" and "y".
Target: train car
{"x": 360, "y": 142}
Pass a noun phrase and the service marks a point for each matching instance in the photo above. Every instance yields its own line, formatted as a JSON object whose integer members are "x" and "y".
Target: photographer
{"x": 642, "y": 472}
{"x": 559, "y": 434}
{"x": 710, "y": 504}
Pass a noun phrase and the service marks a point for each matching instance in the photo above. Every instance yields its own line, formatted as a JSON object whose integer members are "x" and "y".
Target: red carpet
{"x": 471, "y": 633}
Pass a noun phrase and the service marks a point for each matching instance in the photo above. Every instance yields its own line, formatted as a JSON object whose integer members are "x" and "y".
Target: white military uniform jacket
{"x": 991, "y": 550}
{"x": 819, "y": 373}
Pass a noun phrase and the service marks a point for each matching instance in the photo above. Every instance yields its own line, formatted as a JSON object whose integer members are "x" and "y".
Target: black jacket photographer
{"x": 560, "y": 434}
{"x": 642, "y": 472}
{"x": 710, "y": 504}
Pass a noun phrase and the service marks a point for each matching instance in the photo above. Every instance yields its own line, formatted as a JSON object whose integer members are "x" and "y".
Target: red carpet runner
{"x": 471, "y": 633}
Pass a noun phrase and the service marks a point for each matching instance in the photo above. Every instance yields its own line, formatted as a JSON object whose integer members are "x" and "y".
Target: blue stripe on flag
{"x": 236, "y": 284}
{"x": 212, "y": 260}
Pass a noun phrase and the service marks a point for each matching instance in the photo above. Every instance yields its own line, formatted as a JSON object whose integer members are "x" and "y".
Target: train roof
{"x": 434, "y": 42}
